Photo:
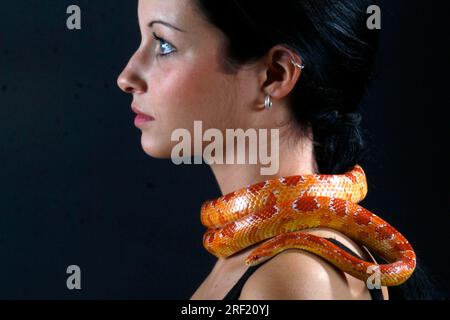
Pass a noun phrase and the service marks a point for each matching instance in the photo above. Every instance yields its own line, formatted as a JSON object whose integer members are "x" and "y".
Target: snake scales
{"x": 274, "y": 212}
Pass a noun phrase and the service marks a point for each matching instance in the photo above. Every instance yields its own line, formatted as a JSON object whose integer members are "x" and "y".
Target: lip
{"x": 140, "y": 116}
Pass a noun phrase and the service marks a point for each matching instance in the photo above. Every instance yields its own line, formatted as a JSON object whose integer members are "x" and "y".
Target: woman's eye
{"x": 165, "y": 47}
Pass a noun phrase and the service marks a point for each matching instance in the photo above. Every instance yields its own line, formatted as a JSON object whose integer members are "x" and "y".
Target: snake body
{"x": 274, "y": 213}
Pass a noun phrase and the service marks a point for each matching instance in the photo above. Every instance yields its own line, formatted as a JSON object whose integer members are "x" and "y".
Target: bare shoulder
{"x": 299, "y": 275}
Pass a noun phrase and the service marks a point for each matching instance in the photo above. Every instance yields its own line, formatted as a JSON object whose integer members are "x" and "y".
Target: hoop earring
{"x": 268, "y": 102}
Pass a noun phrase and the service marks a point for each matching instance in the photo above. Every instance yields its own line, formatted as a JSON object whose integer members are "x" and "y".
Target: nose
{"x": 129, "y": 81}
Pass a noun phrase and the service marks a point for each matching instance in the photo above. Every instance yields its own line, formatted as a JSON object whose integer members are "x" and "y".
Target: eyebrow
{"x": 164, "y": 23}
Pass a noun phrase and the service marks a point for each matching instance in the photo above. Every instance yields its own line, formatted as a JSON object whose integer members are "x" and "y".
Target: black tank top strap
{"x": 235, "y": 292}
{"x": 375, "y": 294}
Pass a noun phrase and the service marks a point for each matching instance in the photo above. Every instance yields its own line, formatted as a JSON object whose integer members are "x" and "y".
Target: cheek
{"x": 193, "y": 92}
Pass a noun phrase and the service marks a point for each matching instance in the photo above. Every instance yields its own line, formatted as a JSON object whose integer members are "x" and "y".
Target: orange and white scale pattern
{"x": 275, "y": 211}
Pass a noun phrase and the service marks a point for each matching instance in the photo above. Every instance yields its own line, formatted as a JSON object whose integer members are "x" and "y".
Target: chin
{"x": 155, "y": 149}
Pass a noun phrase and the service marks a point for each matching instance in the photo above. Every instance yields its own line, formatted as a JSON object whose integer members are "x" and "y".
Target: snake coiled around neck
{"x": 274, "y": 213}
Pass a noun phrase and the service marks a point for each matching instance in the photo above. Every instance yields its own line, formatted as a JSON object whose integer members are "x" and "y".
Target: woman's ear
{"x": 278, "y": 74}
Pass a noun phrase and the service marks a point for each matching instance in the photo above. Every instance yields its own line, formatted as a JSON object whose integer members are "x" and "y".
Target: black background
{"x": 76, "y": 187}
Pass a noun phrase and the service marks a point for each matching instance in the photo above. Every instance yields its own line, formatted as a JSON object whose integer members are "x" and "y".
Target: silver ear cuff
{"x": 298, "y": 65}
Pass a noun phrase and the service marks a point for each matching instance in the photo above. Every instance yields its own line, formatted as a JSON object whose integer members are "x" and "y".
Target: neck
{"x": 295, "y": 159}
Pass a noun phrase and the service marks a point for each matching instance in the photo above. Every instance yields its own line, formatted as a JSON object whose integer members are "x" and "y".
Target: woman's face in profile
{"x": 176, "y": 77}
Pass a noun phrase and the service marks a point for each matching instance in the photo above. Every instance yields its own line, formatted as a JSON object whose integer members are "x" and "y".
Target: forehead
{"x": 172, "y": 11}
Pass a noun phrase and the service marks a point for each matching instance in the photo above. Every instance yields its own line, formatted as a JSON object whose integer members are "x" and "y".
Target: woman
{"x": 298, "y": 66}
